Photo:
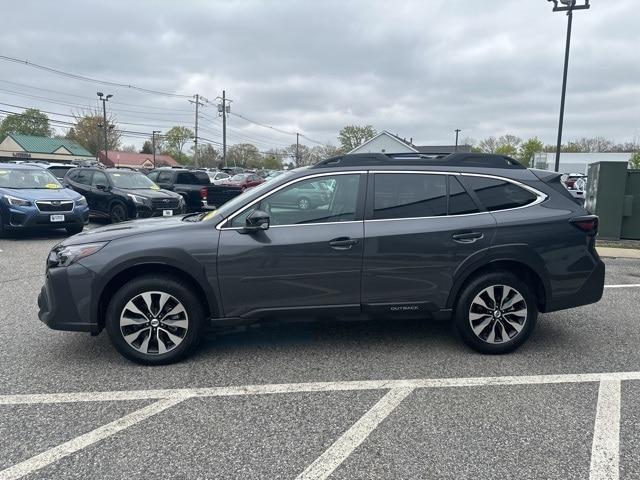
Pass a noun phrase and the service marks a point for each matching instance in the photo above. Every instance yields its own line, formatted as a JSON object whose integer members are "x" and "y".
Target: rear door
{"x": 309, "y": 260}
{"x": 420, "y": 227}
{"x": 100, "y": 192}
{"x": 81, "y": 183}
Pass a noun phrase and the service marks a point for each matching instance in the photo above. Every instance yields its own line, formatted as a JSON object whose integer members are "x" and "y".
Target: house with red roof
{"x": 115, "y": 158}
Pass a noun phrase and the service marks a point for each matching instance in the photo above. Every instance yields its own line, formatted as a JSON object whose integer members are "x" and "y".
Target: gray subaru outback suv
{"x": 478, "y": 239}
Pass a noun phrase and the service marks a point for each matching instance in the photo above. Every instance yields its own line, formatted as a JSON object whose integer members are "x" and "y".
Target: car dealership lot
{"x": 355, "y": 400}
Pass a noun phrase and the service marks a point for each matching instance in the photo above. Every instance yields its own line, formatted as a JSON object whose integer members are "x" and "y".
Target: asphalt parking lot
{"x": 341, "y": 400}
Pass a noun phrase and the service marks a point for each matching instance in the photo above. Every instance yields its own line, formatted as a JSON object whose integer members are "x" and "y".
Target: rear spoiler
{"x": 545, "y": 175}
{"x": 553, "y": 179}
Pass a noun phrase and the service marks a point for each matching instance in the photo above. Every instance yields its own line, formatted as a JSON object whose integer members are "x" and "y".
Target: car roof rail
{"x": 488, "y": 160}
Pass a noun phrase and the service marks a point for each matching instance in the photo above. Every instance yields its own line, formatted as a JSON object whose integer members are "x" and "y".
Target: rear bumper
{"x": 65, "y": 299}
{"x": 590, "y": 292}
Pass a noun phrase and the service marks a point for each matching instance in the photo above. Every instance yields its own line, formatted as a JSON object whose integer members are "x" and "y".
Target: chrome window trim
{"x": 219, "y": 226}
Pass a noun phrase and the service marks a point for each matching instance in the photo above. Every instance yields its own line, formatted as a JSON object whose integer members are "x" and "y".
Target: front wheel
{"x": 496, "y": 313}
{"x": 118, "y": 213}
{"x": 155, "y": 320}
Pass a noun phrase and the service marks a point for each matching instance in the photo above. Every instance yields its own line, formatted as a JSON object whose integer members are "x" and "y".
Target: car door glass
{"x": 99, "y": 178}
{"x": 186, "y": 178}
{"x": 306, "y": 202}
{"x": 164, "y": 177}
{"x": 84, "y": 177}
{"x": 460, "y": 202}
{"x": 407, "y": 195}
{"x": 153, "y": 176}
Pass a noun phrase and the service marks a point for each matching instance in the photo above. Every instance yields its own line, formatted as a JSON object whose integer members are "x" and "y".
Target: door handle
{"x": 467, "y": 237}
{"x": 343, "y": 243}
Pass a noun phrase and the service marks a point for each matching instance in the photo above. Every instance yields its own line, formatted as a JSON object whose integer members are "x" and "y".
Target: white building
{"x": 577, "y": 162}
{"x": 386, "y": 142}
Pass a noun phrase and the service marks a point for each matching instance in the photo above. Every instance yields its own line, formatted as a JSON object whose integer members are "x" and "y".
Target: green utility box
{"x": 613, "y": 193}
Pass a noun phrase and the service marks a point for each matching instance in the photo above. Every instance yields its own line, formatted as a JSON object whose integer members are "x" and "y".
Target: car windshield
{"x": 131, "y": 181}
{"x": 37, "y": 178}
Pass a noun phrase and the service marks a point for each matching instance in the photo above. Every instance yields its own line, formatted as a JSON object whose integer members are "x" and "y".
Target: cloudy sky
{"x": 417, "y": 68}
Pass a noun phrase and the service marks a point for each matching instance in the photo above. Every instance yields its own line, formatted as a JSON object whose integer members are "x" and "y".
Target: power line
{"x": 90, "y": 79}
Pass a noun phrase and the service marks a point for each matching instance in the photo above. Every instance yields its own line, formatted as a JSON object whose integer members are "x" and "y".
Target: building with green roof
{"x": 30, "y": 147}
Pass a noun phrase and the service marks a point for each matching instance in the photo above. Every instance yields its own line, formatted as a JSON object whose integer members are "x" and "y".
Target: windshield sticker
{"x": 154, "y": 187}
{"x": 210, "y": 215}
{"x": 116, "y": 174}
{"x": 4, "y": 172}
{"x": 52, "y": 186}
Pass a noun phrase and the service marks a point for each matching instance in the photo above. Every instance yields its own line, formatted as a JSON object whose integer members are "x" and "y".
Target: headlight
{"x": 18, "y": 202}
{"x": 81, "y": 202}
{"x": 63, "y": 256}
{"x": 137, "y": 199}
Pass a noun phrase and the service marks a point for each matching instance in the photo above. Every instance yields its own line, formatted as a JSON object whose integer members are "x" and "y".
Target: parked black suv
{"x": 192, "y": 185}
{"x": 477, "y": 238}
{"x": 122, "y": 194}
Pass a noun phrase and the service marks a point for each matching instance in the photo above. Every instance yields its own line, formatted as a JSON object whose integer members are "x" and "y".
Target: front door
{"x": 308, "y": 261}
{"x": 100, "y": 192}
{"x": 420, "y": 228}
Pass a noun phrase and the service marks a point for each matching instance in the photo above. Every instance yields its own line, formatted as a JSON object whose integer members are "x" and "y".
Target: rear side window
{"x": 404, "y": 195}
{"x": 497, "y": 194}
{"x": 460, "y": 202}
{"x": 164, "y": 177}
{"x": 84, "y": 177}
{"x": 201, "y": 178}
{"x": 186, "y": 178}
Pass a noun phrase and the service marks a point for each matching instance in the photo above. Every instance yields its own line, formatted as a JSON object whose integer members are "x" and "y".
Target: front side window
{"x": 408, "y": 195}
{"x": 84, "y": 177}
{"x": 305, "y": 202}
{"x": 99, "y": 178}
{"x": 495, "y": 194}
{"x": 164, "y": 177}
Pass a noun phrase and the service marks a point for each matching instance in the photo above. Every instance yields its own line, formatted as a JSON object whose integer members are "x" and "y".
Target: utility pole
{"x": 457, "y": 132}
{"x": 569, "y": 7}
{"x": 104, "y": 99}
{"x": 224, "y": 109}
{"x": 297, "y": 149}
{"x": 197, "y": 103}
{"x": 153, "y": 145}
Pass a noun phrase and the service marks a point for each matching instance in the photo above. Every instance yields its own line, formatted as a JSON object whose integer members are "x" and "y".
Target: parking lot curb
{"x": 618, "y": 252}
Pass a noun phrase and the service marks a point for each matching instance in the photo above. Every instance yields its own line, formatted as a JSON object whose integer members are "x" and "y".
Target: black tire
{"x": 156, "y": 283}
{"x": 74, "y": 229}
{"x": 118, "y": 213}
{"x": 304, "y": 203}
{"x": 470, "y": 311}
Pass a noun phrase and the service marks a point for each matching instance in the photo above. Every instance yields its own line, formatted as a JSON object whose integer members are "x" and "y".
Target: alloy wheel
{"x": 118, "y": 214}
{"x": 498, "y": 314}
{"x": 154, "y": 323}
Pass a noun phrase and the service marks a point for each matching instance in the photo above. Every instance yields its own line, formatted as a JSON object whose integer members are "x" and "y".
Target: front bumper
{"x": 144, "y": 211}
{"x": 64, "y": 302}
{"x": 23, "y": 218}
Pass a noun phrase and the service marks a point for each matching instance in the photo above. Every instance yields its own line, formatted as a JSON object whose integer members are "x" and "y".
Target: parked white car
{"x": 217, "y": 177}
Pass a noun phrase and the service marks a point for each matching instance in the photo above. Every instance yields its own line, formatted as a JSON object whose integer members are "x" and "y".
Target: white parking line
{"x": 605, "y": 450}
{"x": 268, "y": 389}
{"x": 344, "y": 446}
{"x": 627, "y": 285}
{"x": 56, "y": 453}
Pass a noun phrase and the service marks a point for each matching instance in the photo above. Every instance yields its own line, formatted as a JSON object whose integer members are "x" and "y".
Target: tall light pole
{"x": 104, "y": 99}
{"x": 153, "y": 145}
{"x": 567, "y": 6}
{"x": 457, "y": 133}
{"x": 223, "y": 110}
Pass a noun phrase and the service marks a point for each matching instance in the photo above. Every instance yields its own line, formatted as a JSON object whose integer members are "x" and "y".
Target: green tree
{"x": 175, "y": 140}
{"x": 208, "y": 156}
{"x": 244, "y": 155}
{"x": 352, "y": 136}
{"x": 528, "y": 150}
{"x": 30, "y": 122}
{"x": 634, "y": 161}
{"x": 147, "y": 147}
{"x": 89, "y": 132}
{"x": 272, "y": 161}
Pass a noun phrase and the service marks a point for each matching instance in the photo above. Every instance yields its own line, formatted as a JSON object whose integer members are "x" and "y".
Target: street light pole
{"x": 457, "y": 132}
{"x": 569, "y": 7}
{"x": 104, "y": 99}
{"x": 153, "y": 145}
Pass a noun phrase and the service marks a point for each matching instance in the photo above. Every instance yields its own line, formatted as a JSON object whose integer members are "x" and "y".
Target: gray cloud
{"x": 417, "y": 68}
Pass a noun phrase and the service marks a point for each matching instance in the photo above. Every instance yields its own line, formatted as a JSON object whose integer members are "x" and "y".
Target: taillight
{"x": 588, "y": 224}
{"x": 203, "y": 193}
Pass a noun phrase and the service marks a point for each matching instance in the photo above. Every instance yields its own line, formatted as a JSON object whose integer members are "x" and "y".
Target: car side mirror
{"x": 256, "y": 221}
{"x": 102, "y": 187}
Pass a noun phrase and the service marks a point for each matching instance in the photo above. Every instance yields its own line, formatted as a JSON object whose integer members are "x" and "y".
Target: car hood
{"x": 148, "y": 193}
{"x": 41, "y": 193}
{"x": 127, "y": 229}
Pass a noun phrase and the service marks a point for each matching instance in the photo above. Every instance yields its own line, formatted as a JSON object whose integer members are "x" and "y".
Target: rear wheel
{"x": 155, "y": 320}
{"x": 118, "y": 213}
{"x": 496, "y": 313}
